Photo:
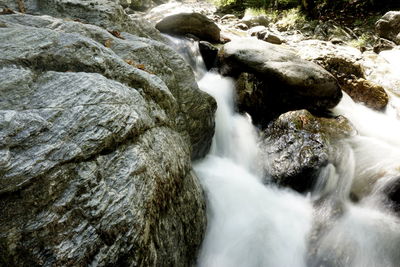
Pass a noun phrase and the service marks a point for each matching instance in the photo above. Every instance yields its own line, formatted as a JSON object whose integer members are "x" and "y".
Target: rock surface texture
{"x": 297, "y": 145}
{"x": 97, "y": 132}
{"x": 272, "y": 80}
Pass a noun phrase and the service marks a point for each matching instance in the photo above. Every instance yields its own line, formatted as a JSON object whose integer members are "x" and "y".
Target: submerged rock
{"x": 97, "y": 131}
{"x": 190, "y": 23}
{"x": 388, "y": 26}
{"x": 273, "y": 80}
{"x": 297, "y": 145}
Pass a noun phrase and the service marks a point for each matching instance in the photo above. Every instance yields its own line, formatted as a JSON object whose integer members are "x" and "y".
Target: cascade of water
{"x": 251, "y": 224}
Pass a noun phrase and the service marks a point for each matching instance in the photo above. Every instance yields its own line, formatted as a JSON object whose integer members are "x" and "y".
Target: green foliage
{"x": 364, "y": 40}
{"x": 258, "y": 3}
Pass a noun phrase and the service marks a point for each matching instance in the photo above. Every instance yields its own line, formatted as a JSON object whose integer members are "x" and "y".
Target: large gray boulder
{"x": 273, "y": 80}
{"x": 107, "y": 14}
{"x": 388, "y": 26}
{"x": 297, "y": 145}
{"x": 96, "y": 140}
{"x": 190, "y": 23}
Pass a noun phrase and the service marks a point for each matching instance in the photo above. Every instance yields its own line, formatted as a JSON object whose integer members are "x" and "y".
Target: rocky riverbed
{"x": 100, "y": 119}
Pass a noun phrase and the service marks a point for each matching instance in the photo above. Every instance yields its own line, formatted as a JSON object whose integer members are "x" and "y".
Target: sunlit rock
{"x": 388, "y": 26}
{"x": 96, "y": 143}
{"x": 190, "y": 23}
{"x": 272, "y": 80}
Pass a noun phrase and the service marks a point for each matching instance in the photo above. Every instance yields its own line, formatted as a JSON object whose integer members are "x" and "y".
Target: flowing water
{"x": 254, "y": 224}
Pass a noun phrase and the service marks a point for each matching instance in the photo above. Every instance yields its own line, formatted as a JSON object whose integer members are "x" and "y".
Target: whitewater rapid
{"x": 346, "y": 221}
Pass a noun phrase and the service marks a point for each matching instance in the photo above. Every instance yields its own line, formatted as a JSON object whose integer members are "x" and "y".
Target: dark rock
{"x": 193, "y": 23}
{"x": 273, "y": 80}
{"x": 209, "y": 54}
{"x": 388, "y": 26}
{"x": 297, "y": 145}
{"x": 96, "y": 137}
{"x": 392, "y": 192}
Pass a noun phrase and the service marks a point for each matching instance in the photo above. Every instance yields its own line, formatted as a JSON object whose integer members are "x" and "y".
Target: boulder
{"x": 209, "y": 54}
{"x": 388, "y": 26}
{"x": 145, "y": 54}
{"x": 297, "y": 145}
{"x": 367, "y": 92}
{"x": 345, "y": 64}
{"x": 107, "y": 14}
{"x": 273, "y": 79}
{"x": 190, "y": 23}
{"x": 96, "y": 140}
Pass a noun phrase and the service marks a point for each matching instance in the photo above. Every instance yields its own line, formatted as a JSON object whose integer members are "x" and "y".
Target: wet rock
{"x": 273, "y": 80}
{"x": 297, "y": 145}
{"x": 209, "y": 54}
{"x": 190, "y": 23}
{"x": 95, "y": 148}
{"x": 367, "y": 92}
{"x": 388, "y": 26}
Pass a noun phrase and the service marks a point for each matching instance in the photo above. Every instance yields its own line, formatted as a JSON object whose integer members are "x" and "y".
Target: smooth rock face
{"x": 190, "y": 23}
{"x": 273, "y": 80}
{"x": 95, "y": 148}
{"x": 297, "y": 145}
{"x": 388, "y": 26}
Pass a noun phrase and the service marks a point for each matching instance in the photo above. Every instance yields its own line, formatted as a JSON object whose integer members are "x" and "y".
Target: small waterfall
{"x": 253, "y": 224}
{"x": 249, "y": 224}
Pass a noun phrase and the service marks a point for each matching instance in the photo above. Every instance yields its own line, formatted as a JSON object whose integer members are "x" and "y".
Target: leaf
{"x": 140, "y": 66}
{"x": 130, "y": 62}
{"x": 117, "y": 34}
{"x": 108, "y": 43}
